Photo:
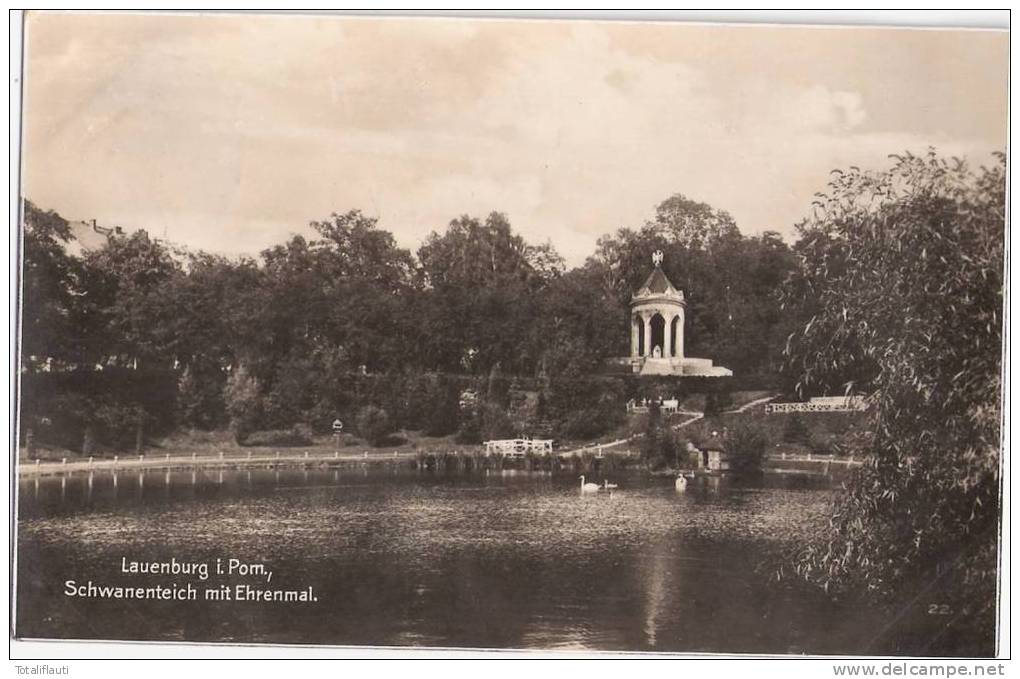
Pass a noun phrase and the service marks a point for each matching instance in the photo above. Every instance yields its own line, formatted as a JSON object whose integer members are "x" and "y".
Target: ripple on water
{"x": 470, "y": 561}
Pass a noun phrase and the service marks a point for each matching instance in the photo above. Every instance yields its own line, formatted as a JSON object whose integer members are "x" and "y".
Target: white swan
{"x": 681, "y": 483}
{"x": 608, "y": 486}
{"x": 589, "y": 487}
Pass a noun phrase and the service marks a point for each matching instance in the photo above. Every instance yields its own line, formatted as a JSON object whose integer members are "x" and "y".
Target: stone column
{"x": 648, "y": 334}
{"x": 635, "y": 337}
{"x": 680, "y": 335}
{"x": 667, "y": 338}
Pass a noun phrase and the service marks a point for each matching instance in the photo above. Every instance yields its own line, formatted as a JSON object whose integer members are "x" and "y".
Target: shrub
{"x": 592, "y": 421}
{"x": 821, "y": 443}
{"x": 747, "y": 445}
{"x": 584, "y": 424}
{"x": 690, "y": 456}
{"x": 495, "y": 422}
{"x": 374, "y": 425}
{"x": 488, "y": 421}
{"x": 59, "y": 406}
{"x": 406, "y": 397}
{"x": 120, "y": 426}
{"x": 795, "y": 431}
{"x": 470, "y": 432}
{"x": 442, "y": 409}
{"x": 660, "y": 444}
{"x": 304, "y": 431}
{"x": 200, "y": 397}
{"x": 289, "y": 396}
{"x": 61, "y": 421}
{"x": 712, "y": 405}
{"x": 241, "y": 396}
{"x": 298, "y": 435}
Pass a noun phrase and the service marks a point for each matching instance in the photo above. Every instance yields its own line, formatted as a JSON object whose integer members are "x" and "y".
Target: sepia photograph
{"x": 545, "y": 334}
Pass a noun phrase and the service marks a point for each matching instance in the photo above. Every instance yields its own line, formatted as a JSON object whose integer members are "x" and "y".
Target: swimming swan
{"x": 589, "y": 487}
{"x": 608, "y": 486}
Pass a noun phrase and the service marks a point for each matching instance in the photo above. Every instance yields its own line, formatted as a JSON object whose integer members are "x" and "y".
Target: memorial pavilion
{"x": 657, "y": 313}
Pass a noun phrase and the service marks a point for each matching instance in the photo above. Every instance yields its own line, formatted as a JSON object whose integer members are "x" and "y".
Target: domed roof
{"x": 657, "y": 285}
{"x": 657, "y": 282}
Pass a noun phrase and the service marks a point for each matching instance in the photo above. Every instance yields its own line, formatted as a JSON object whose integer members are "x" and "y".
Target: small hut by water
{"x": 714, "y": 457}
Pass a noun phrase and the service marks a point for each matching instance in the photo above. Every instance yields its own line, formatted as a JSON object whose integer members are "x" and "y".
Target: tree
{"x": 660, "y": 444}
{"x": 374, "y": 425}
{"x": 320, "y": 309}
{"x": 50, "y": 288}
{"x": 358, "y": 248}
{"x": 747, "y": 445}
{"x": 243, "y": 403}
{"x": 584, "y": 323}
{"x": 484, "y": 286}
{"x": 442, "y": 408}
{"x": 218, "y": 303}
{"x": 200, "y": 397}
{"x": 215, "y": 326}
{"x": 907, "y": 270}
{"x": 692, "y": 224}
{"x": 127, "y": 290}
{"x": 495, "y": 422}
{"x": 345, "y": 289}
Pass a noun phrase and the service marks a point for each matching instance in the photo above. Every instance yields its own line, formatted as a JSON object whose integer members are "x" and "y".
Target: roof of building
{"x": 87, "y": 235}
{"x": 657, "y": 284}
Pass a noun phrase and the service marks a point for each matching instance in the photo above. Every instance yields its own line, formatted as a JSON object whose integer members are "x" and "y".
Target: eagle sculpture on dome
{"x": 657, "y": 257}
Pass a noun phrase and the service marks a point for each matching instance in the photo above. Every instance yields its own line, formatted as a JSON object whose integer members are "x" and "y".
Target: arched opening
{"x": 658, "y": 326}
{"x": 674, "y": 335}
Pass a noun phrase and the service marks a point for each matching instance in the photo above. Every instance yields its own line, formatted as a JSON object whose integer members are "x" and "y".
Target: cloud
{"x": 822, "y": 109}
{"x": 234, "y": 131}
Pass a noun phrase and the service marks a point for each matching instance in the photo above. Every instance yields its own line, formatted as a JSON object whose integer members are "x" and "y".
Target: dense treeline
{"x": 271, "y": 342}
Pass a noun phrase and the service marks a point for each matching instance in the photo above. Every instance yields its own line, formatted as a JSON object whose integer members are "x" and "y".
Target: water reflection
{"x": 497, "y": 560}
{"x": 655, "y": 594}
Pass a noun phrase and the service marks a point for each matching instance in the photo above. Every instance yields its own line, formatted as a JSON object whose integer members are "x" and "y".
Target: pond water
{"x": 398, "y": 557}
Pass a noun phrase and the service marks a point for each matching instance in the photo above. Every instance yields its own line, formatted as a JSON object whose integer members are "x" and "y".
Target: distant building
{"x": 716, "y": 458}
{"x": 89, "y": 236}
{"x": 712, "y": 456}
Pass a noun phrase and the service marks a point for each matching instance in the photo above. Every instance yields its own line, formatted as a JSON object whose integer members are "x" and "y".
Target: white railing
{"x": 669, "y": 405}
{"x": 826, "y": 404}
{"x": 519, "y": 447}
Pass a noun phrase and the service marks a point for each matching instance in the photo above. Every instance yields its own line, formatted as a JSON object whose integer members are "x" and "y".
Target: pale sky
{"x": 229, "y": 133}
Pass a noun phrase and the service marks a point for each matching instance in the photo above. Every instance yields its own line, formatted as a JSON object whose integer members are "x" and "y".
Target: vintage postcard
{"x": 548, "y": 334}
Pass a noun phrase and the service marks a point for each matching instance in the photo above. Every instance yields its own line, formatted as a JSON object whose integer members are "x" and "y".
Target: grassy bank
{"x": 212, "y": 444}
